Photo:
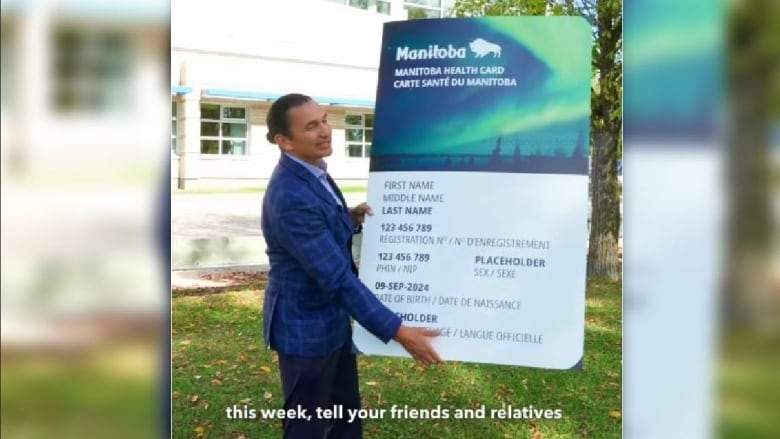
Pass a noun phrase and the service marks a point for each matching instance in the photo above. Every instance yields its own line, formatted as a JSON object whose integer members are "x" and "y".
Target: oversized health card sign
{"x": 478, "y": 180}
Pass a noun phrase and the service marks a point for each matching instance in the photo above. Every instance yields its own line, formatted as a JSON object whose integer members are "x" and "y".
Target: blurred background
{"x": 85, "y": 172}
{"x": 84, "y": 149}
{"x": 702, "y": 203}
{"x": 748, "y": 388}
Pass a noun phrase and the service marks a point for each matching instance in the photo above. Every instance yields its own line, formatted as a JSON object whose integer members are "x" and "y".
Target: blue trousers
{"x": 313, "y": 382}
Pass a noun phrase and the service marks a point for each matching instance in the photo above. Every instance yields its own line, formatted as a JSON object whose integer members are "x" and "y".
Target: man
{"x": 313, "y": 288}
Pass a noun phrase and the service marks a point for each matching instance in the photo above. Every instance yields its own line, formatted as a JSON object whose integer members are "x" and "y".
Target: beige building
{"x": 231, "y": 59}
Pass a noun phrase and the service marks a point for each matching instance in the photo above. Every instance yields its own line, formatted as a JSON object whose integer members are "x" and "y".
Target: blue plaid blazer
{"x": 313, "y": 287}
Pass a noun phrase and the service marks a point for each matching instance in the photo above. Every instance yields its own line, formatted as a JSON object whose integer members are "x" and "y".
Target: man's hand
{"x": 358, "y": 213}
{"x": 417, "y": 341}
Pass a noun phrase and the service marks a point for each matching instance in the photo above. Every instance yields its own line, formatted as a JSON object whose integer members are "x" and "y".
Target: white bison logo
{"x": 481, "y": 48}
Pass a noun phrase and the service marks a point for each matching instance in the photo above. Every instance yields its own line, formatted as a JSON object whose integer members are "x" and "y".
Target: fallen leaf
{"x": 371, "y": 383}
{"x": 265, "y": 369}
{"x": 267, "y": 395}
{"x": 176, "y": 394}
{"x": 185, "y": 342}
{"x": 536, "y": 433}
{"x": 246, "y": 400}
{"x": 194, "y": 398}
{"x": 216, "y": 382}
{"x": 615, "y": 414}
{"x": 197, "y": 377}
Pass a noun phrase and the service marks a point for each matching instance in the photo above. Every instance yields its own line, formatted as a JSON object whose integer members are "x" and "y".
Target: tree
{"x": 605, "y": 17}
{"x": 755, "y": 100}
{"x": 606, "y": 135}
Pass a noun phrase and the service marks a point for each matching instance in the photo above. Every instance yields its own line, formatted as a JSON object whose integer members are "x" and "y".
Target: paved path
{"x": 223, "y": 215}
{"x": 220, "y": 230}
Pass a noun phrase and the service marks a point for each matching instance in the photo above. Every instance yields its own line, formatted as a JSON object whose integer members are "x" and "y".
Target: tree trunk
{"x": 603, "y": 259}
{"x": 747, "y": 296}
{"x": 605, "y": 130}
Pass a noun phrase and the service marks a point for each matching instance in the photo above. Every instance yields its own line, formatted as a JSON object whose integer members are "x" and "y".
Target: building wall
{"x": 254, "y": 168}
{"x": 260, "y": 50}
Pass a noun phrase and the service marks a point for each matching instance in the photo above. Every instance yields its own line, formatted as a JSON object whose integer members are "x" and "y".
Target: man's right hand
{"x": 417, "y": 341}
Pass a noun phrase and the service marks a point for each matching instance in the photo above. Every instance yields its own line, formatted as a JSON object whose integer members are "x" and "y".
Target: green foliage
{"x": 416, "y": 14}
{"x": 755, "y": 46}
{"x": 478, "y": 8}
{"x": 608, "y": 63}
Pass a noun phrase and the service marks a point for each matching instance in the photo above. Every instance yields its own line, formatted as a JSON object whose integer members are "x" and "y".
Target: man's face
{"x": 310, "y": 133}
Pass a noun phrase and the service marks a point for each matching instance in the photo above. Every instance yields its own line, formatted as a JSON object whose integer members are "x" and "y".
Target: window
{"x": 91, "y": 69}
{"x": 359, "y": 133}
{"x": 427, "y": 8}
{"x": 415, "y": 12}
{"x": 428, "y": 3}
{"x": 382, "y": 7}
{"x": 414, "y": 8}
{"x": 174, "y": 129}
{"x": 379, "y": 6}
{"x": 223, "y": 129}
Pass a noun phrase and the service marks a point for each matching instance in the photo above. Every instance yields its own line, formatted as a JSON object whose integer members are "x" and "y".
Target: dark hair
{"x": 277, "y": 120}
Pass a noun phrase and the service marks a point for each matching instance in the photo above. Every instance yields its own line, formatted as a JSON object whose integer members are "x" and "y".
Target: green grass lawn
{"x": 219, "y": 360}
{"x": 748, "y": 391}
{"x": 107, "y": 391}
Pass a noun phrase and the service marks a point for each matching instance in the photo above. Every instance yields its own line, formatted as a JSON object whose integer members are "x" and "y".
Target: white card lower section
{"x": 495, "y": 260}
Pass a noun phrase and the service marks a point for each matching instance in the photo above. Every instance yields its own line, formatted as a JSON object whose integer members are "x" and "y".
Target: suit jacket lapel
{"x": 336, "y": 191}
{"x": 317, "y": 187}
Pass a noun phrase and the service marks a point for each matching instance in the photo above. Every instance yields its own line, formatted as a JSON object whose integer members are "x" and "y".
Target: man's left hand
{"x": 358, "y": 213}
